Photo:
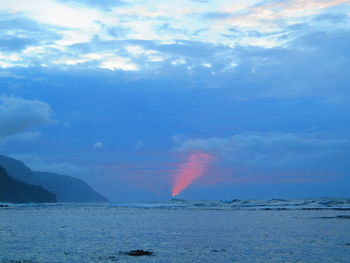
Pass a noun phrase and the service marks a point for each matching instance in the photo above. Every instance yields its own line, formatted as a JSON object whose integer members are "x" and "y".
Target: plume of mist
{"x": 190, "y": 171}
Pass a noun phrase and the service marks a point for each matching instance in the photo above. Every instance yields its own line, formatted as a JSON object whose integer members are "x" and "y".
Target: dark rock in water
{"x": 275, "y": 208}
{"x": 15, "y": 191}
{"x": 326, "y": 208}
{"x": 139, "y": 253}
{"x": 105, "y": 258}
{"x": 344, "y": 216}
{"x": 335, "y": 217}
{"x": 4, "y": 206}
{"x": 18, "y": 261}
{"x": 218, "y": 250}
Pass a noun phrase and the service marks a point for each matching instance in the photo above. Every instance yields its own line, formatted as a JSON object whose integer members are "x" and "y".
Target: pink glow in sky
{"x": 190, "y": 171}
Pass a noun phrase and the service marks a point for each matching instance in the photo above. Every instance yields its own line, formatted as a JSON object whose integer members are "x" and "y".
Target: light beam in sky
{"x": 190, "y": 171}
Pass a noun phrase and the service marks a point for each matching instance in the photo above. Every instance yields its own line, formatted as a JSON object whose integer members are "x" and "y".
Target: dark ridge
{"x": 15, "y": 191}
{"x": 69, "y": 189}
{"x": 66, "y": 188}
{"x": 18, "y": 170}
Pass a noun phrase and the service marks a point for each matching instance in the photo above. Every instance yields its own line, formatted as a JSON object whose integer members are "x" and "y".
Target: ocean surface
{"x": 276, "y": 230}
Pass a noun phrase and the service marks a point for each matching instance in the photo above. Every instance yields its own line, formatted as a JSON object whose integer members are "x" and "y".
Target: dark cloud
{"x": 166, "y": 27}
{"x": 200, "y": 1}
{"x": 15, "y": 44}
{"x": 293, "y": 71}
{"x": 235, "y": 33}
{"x": 312, "y": 65}
{"x": 216, "y": 15}
{"x": 190, "y": 49}
{"x": 332, "y": 18}
{"x": 117, "y": 31}
{"x": 273, "y": 152}
{"x": 18, "y": 32}
{"x": 19, "y": 115}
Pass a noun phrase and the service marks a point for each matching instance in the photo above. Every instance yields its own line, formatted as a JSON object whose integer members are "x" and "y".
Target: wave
{"x": 234, "y": 204}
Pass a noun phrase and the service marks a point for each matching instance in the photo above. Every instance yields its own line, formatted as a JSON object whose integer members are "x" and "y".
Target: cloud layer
{"x": 278, "y": 152}
{"x": 20, "y": 115}
{"x": 38, "y": 37}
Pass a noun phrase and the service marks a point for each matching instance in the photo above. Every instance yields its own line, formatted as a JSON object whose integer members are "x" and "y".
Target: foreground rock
{"x": 139, "y": 253}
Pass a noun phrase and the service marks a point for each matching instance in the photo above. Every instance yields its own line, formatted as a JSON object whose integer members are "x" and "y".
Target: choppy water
{"x": 308, "y": 230}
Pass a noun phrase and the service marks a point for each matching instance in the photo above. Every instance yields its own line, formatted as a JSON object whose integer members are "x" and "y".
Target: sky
{"x": 127, "y": 95}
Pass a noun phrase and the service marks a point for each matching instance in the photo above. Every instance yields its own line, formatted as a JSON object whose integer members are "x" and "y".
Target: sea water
{"x": 305, "y": 230}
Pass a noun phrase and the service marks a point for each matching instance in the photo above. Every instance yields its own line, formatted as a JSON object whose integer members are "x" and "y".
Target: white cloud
{"x": 151, "y": 55}
{"x": 206, "y": 65}
{"x": 118, "y": 63}
{"x": 139, "y": 145}
{"x": 156, "y": 58}
{"x": 273, "y": 13}
{"x": 98, "y": 145}
{"x": 26, "y": 136}
{"x": 72, "y": 22}
{"x": 53, "y": 12}
{"x": 177, "y": 62}
{"x": 5, "y": 74}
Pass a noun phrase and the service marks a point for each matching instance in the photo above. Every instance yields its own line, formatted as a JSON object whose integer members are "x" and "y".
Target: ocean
{"x": 276, "y": 230}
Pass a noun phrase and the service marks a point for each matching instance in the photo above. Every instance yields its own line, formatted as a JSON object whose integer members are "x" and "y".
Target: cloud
{"x": 200, "y": 1}
{"x": 139, "y": 144}
{"x": 273, "y": 13}
{"x": 19, "y": 115}
{"x": 98, "y": 145}
{"x": 10, "y": 75}
{"x": 281, "y": 63}
{"x": 19, "y": 32}
{"x": 104, "y": 5}
{"x": 25, "y": 136}
{"x": 282, "y": 152}
{"x": 245, "y": 71}
{"x": 9, "y": 43}
{"x": 118, "y": 63}
{"x": 333, "y": 18}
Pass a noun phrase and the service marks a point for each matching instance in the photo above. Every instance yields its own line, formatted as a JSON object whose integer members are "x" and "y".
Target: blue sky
{"x": 120, "y": 93}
